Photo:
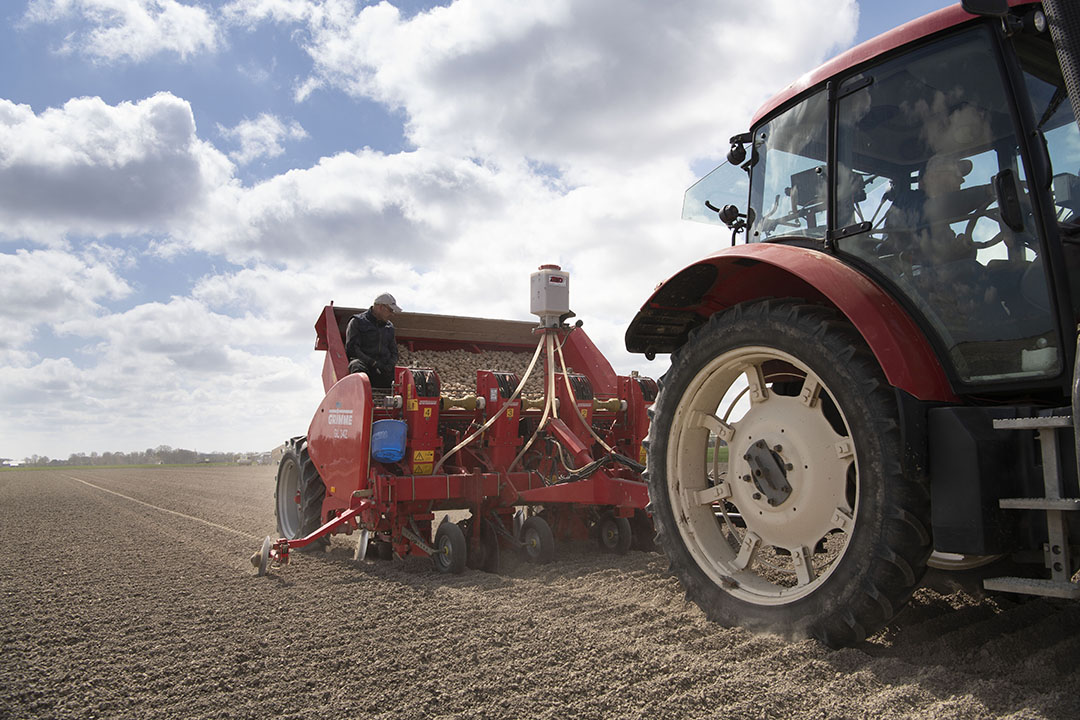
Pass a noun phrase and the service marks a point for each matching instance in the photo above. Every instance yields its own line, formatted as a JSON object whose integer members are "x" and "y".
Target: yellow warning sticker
{"x": 421, "y": 468}
{"x": 642, "y": 456}
{"x": 413, "y": 405}
{"x": 423, "y": 456}
{"x": 509, "y": 412}
{"x": 427, "y": 412}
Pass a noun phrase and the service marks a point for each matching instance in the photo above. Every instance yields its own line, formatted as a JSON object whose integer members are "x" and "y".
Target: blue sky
{"x": 184, "y": 184}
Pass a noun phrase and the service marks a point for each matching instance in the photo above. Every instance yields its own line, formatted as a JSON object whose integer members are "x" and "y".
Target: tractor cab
{"x": 954, "y": 185}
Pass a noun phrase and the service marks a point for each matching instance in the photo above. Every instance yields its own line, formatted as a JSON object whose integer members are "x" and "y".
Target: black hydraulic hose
{"x": 586, "y": 470}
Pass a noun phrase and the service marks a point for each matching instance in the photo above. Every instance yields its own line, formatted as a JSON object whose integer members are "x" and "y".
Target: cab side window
{"x": 931, "y": 196}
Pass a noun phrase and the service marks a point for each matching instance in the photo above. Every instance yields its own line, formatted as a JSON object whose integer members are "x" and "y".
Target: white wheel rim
{"x": 732, "y": 400}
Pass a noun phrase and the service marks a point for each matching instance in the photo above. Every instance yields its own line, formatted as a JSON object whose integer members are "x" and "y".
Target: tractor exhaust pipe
{"x": 1063, "y": 17}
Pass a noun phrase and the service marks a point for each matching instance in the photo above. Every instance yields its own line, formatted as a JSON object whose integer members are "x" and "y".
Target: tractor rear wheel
{"x": 298, "y": 497}
{"x": 777, "y": 476}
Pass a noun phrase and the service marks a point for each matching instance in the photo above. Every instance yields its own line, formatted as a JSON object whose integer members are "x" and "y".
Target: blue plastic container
{"x": 388, "y": 440}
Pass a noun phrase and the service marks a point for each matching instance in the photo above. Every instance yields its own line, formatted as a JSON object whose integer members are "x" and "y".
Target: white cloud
{"x": 360, "y": 205}
{"x": 573, "y": 84}
{"x": 93, "y": 168}
{"x": 261, "y": 137}
{"x": 174, "y": 373}
{"x": 132, "y": 30}
{"x": 46, "y": 287}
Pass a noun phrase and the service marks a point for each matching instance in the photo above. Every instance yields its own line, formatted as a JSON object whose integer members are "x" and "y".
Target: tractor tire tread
{"x": 864, "y": 605}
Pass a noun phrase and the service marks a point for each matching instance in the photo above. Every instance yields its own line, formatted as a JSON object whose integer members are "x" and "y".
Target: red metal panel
{"x": 908, "y": 32}
{"x": 329, "y": 374}
{"x": 584, "y": 357}
{"x": 566, "y": 436}
{"x": 600, "y": 489}
{"x": 577, "y": 416}
{"x": 900, "y": 347}
{"x": 460, "y": 488}
{"x": 633, "y": 426}
{"x": 328, "y": 337}
{"x": 501, "y": 439}
{"x": 339, "y": 440}
{"x": 422, "y": 416}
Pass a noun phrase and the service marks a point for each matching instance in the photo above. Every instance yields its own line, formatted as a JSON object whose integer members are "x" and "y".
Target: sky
{"x": 185, "y": 184}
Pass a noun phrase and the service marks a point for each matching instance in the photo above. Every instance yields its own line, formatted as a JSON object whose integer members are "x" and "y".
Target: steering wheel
{"x": 984, "y": 212}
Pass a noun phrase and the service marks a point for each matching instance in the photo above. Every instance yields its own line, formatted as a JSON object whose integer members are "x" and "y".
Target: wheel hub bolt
{"x": 757, "y": 496}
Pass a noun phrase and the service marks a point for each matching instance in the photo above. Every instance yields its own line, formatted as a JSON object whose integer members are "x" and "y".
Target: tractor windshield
{"x": 932, "y": 197}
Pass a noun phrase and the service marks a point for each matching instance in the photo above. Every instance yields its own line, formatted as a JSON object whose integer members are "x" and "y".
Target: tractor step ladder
{"x": 1056, "y": 551}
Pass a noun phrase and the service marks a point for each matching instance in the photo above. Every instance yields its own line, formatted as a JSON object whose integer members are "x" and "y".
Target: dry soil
{"x": 128, "y": 594}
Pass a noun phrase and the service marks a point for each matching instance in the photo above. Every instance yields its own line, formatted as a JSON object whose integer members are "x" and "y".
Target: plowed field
{"x": 128, "y": 594}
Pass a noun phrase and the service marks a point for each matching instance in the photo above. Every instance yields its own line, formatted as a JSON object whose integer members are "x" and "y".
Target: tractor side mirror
{"x": 737, "y": 154}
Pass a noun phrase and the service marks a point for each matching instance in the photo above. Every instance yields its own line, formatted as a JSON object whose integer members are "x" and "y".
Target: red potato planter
{"x": 562, "y": 463}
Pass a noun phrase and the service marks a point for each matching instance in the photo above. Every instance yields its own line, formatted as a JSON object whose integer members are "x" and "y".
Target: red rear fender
{"x": 760, "y": 270}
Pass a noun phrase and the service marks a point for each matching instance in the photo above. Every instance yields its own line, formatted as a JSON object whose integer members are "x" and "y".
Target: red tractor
{"x": 881, "y": 378}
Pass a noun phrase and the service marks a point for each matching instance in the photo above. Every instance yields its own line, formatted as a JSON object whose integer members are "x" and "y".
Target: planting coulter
{"x": 549, "y": 447}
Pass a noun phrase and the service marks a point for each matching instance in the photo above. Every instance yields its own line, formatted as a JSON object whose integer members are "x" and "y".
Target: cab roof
{"x": 908, "y": 32}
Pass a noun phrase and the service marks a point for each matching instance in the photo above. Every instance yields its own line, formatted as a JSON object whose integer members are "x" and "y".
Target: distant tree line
{"x": 161, "y": 455}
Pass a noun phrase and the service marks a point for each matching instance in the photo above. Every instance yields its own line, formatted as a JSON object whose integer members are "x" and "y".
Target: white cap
{"x": 388, "y": 300}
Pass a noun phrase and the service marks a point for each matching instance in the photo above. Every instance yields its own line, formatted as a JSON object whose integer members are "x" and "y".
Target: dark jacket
{"x": 371, "y": 341}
